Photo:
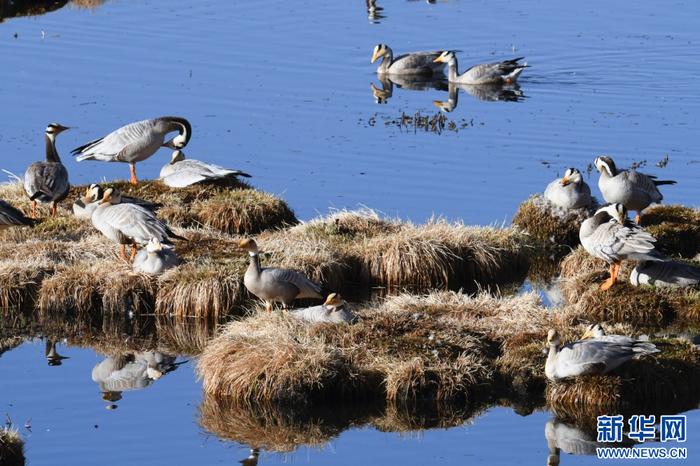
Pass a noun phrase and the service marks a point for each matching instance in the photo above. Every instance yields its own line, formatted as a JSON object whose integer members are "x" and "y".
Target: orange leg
{"x": 614, "y": 272}
{"x": 53, "y": 209}
{"x": 133, "y": 252}
{"x": 268, "y": 306}
{"x": 132, "y": 170}
{"x": 122, "y": 251}
{"x": 638, "y": 218}
{"x": 33, "y": 209}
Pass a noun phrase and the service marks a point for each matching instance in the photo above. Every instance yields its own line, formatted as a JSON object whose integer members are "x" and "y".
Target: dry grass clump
{"x": 663, "y": 381}
{"x": 87, "y": 4}
{"x": 11, "y": 447}
{"x": 676, "y": 228}
{"x": 20, "y": 283}
{"x": 549, "y": 223}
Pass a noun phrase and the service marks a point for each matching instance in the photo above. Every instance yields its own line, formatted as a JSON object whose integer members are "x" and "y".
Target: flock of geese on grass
{"x": 608, "y": 234}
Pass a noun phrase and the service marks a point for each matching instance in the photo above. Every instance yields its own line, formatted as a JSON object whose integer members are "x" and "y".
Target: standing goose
{"x": 334, "y": 310}
{"x": 668, "y": 274}
{"x": 608, "y": 235}
{"x": 181, "y": 172}
{"x": 48, "y": 181}
{"x": 596, "y": 331}
{"x": 636, "y": 191}
{"x": 569, "y": 192}
{"x": 84, "y": 206}
{"x": 416, "y": 63}
{"x": 155, "y": 258}
{"x": 136, "y": 142}
{"x": 273, "y": 284}
{"x": 128, "y": 223}
{"x": 505, "y": 72}
{"x": 589, "y": 356}
{"x": 12, "y": 217}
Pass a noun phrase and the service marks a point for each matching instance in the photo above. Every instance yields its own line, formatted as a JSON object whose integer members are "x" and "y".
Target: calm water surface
{"x": 282, "y": 91}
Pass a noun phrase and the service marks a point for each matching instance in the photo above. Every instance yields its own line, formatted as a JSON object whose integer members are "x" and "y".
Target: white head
{"x": 617, "y": 211}
{"x": 605, "y": 164}
{"x": 593, "y": 331}
{"x": 111, "y": 196}
{"x": 177, "y": 156}
{"x": 93, "y": 193}
{"x": 553, "y": 338}
{"x": 445, "y": 57}
{"x": 249, "y": 245}
{"x": 54, "y": 129}
{"x": 154, "y": 246}
{"x": 571, "y": 175}
{"x": 334, "y": 300}
{"x": 153, "y": 373}
{"x": 380, "y": 50}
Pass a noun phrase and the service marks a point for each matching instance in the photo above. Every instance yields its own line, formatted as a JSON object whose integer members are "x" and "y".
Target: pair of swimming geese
{"x": 609, "y": 235}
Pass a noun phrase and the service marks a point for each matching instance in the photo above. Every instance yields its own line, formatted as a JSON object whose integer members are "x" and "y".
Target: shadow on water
{"x": 483, "y": 92}
{"x": 574, "y": 440}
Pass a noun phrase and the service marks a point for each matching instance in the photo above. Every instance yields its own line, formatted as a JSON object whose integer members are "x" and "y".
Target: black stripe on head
{"x": 609, "y": 162}
{"x": 185, "y": 128}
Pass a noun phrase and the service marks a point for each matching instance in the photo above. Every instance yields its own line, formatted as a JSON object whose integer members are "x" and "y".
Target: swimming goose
{"x": 636, "y": 191}
{"x": 596, "y": 331}
{"x": 181, "y": 172}
{"x": 608, "y": 235}
{"x": 588, "y": 356}
{"x": 665, "y": 274}
{"x": 47, "y": 181}
{"x": 569, "y": 192}
{"x": 333, "y": 310}
{"x": 128, "y": 223}
{"x": 155, "y": 258}
{"x": 415, "y": 63}
{"x": 273, "y": 284}
{"x": 12, "y": 217}
{"x": 506, "y": 71}
{"x": 136, "y": 142}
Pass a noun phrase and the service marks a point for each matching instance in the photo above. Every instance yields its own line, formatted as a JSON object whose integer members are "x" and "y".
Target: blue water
{"x": 282, "y": 91}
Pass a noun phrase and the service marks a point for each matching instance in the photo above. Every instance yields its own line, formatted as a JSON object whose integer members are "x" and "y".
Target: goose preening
{"x": 669, "y": 274}
{"x": 12, "y": 217}
{"x": 636, "y": 191}
{"x": 181, "y": 172}
{"x": 47, "y": 181}
{"x": 415, "y": 63}
{"x": 589, "y": 356}
{"x": 504, "y": 72}
{"x": 570, "y": 191}
{"x": 333, "y": 310}
{"x": 272, "y": 284}
{"x": 129, "y": 223}
{"x": 155, "y": 258}
{"x": 608, "y": 235}
{"x": 85, "y": 205}
{"x": 136, "y": 142}
{"x": 597, "y": 332}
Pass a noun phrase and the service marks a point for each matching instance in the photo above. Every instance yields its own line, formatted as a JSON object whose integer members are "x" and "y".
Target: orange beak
{"x": 565, "y": 181}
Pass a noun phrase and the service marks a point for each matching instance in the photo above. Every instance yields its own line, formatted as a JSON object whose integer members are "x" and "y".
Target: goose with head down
{"x": 504, "y": 72}
{"x": 334, "y": 310}
{"x": 636, "y": 191}
{"x": 610, "y": 236}
{"x": 415, "y": 63}
{"x": 272, "y": 284}
{"x": 597, "y": 332}
{"x": 155, "y": 258}
{"x": 570, "y": 191}
{"x": 181, "y": 172}
{"x": 129, "y": 223}
{"x": 47, "y": 181}
{"x": 589, "y": 356}
{"x": 136, "y": 142}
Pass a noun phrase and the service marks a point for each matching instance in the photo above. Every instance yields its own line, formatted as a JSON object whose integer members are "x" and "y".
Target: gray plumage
{"x": 604, "y": 237}
{"x": 275, "y": 284}
{"x": 414, "y": 63}
{"x": 131, "y": 371}
{"x": 181, "y": 172}
{"x": 636, "y": 191}
{"x": 506, "y": 71}
{"x": 597, "y": 332}
{"x": 668, "y": 274}
{"x": 335, "y": 311}
{"x": 84, "y": 206}
{"x": 569, "y": 192}
{"x": 155, "y": 258}
{"x": 47, "y": 181}
{"x": 589, "y": 356}
{"x": 483, "y": 92}
{"x": 136, "y": 141}
{"x": 11, "y": 216}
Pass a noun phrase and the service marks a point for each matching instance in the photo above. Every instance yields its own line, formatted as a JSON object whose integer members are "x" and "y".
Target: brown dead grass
{"x": 11, "y": 447}
{"x": 20, "y": 283}
{"x": 676, "y": 228}
{"x": 549, "y": 224}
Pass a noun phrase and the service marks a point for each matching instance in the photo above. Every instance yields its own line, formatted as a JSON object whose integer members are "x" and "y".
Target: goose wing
{"x": 306, "y": 287}
{"x": 644, "y": 183}
{"x": 614, "y": 242}
{"x": 591, "y": 357}
{"x": 127, "y": 139}
{"x": 47, "y": 181}
{"x": 137, "y": 223}
{"x": 485, "y": 72}
{"x": 183, "y": 178}
{"x": 10, "y": 215}
{"x": 670, "y": 273}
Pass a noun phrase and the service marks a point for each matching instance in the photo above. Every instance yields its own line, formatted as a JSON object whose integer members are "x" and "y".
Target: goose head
{"x": 593, "y": 331}
{"x": 177, "y": 156}
{"x": 572, "y": 175}
{"x": 334, "y": 300}
{"x": 249, "y": 245}
{"x": 616, "y": 211}
{"x": 93, "y": 193}
{"x": 445, "y": 56}
{"x": 605, "y": 164}
{"x": 54, "y": 129}
{"x": 111, "y": 196}
{"x": 380, "y": 50}
{"x": 553, "y": 338}
{"x": 153, "y": 373}
{"x": 154, "y": 246}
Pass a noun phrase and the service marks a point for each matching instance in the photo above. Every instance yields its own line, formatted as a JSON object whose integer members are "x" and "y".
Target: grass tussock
{"x": 549, "y": 223}
{"x": 664, "y": 381}
{"x": 11, "y": 447}
{"x": 21, "y": 281}
{"x": 676, "y": 228}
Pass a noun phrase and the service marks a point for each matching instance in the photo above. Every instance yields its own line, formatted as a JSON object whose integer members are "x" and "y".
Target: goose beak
{"x": 439, "y": 59}
{"x": 566, "y": 180}
{"x": 61, "y": 128}
{"x": 586, "y": 335}
{"x": 375, "y": 56}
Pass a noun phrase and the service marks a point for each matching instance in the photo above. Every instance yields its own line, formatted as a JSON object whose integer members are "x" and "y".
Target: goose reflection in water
{"x": 485, "y": 92}
{"x": 573, "y": 440}
{"x": 52, "y": 356}
{"x": 414, "y": 83}
{"x": 117, "y": 374}
{"x": 252, "y": 459}
{"x": 374, "y": 11}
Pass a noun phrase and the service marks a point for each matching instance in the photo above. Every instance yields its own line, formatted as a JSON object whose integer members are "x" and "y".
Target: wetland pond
{"x": 284, "y": 91}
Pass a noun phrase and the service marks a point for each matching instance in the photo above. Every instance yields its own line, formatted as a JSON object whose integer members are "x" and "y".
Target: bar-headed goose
{"x": 47, "y": 181}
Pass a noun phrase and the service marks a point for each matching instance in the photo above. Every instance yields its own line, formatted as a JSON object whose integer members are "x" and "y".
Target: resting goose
{"x": 569, "y": 192}
{"x": 155, "y": 258}
{"x": 333, "y": 310}
{"x": 181, "y": 172}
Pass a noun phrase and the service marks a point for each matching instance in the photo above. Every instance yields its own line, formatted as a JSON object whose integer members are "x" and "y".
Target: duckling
{"x": 588, "y": 356}
{"x": 155, "y": 258}
{"x": 569, "y": 192}
{"x": 608, "y": 235}
{"x": 670, "y": 274}
{"x": 636, "y": 191}
{"x": 47, "y": 181}
{"x": 275, "y": 284}
{"x": 333, "y": 310}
